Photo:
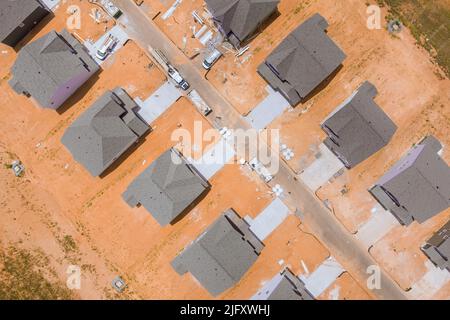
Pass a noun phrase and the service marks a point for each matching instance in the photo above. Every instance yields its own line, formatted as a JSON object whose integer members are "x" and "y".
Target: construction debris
{"x": 18, "y": 168}
{"x": 395, "y": 26}
{"x": 242, "y": 51}
{"x": 197, "y": 17}
{"x": 118, "y": 284}
{"x": 96, "y": 14}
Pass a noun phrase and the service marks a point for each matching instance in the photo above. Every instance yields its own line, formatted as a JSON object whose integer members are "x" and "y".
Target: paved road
{"x": 347, "y": 250}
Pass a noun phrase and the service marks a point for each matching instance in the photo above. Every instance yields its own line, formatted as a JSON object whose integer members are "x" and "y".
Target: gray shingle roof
{"x": 105, "y": 131}
{"x": 167, "y": 187}
{"x": 284, "y": 286}
{"x": 358, "y": 128}
{"x": 418, "y": 186}
{"x": 238, "y": 19}
{"x": 302, "y": 61}
{"x": 18, "y": 17}
{"x": 437, "y": 247}
{"x": 52, "y": 68}
{"x": 221, "y": 255}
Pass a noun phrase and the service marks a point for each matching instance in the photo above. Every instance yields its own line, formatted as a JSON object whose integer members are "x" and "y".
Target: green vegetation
{"x": 26, "y": 275}
{"x": 429, "y": 22}
{"x": 68, "y": 243}
{"x": 298, "y": 9}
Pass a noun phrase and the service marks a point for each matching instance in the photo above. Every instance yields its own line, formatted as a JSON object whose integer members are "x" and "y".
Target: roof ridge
{"x": 212, "y": 257}
{"x": 26, "y": 50}
{"x": 438, "y": 190}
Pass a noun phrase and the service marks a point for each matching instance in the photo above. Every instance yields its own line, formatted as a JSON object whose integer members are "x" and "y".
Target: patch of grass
{"x": 429, "y": 22}
{"x": 88, "y": 267}
{"x": 69, "y": 245}
{"x": 298, "y": 9}
{"x": 26, "y": 275}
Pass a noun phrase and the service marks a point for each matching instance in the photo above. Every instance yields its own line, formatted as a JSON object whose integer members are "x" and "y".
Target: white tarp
{"x": 323, "y": 277}
{"x": 268, "y": 110}
{"x": 377, "y": 227}
{"x": 158, "y": 102}
{"x": 269, "y": 219}
{"x": 322, "y": 169}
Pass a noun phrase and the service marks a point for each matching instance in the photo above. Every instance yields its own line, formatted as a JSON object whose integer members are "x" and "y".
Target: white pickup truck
{"x": 112, "y": 9}
{"x": 211, "y": 59}
{"x": 107, "y": 47}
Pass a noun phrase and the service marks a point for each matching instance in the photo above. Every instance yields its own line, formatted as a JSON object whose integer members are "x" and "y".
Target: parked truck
{"x": 176, "y": 76}
{"x": 107, "y": 47}
{"x": 173, "y": 73}
{"x": 211, "y": 58}
{"x": 111, "y": 8}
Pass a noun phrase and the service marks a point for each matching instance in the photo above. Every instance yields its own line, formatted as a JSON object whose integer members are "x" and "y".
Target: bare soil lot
{"x": 345, "y": 288}
{"x": 374, "y": 56}
{"x": 429, "y": 22}
{"x": 413, "y": 91}
{"x": 180, "y": 26}
{"x": 236, "y": 77}
{"x": 40, "y": 211}
{"x": 60, "y": 215}
{"x": 399, "y": 251}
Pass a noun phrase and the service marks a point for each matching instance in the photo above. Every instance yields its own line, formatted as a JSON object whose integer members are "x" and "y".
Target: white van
{"x": 211, "y": 59}
{"x": 114, "y": 11}
{"x": 106, "y": 48}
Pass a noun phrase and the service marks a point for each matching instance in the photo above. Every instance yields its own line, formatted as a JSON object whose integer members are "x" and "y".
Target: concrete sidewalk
{"x": 161, "y": 100}
{"x": 268, "y": 110}
{"x": 322, "y": 169}
{"x": 269, "y": 219}
{"x": 323, "y": 277}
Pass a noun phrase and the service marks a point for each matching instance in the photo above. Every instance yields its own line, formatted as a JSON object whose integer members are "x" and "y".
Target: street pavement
{"x": 313, "y": 214}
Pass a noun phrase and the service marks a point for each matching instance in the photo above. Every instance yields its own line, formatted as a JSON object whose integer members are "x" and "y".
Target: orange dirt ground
{"x": 57, "y": 196}
{"x": 399, "y": 251}
{"x": 443, "y": 294}
{"x": 345, "y": 288}
{"x": 412, "y": 91}
{"x": 178, "y": 26}
{"x": 231, "y": 75}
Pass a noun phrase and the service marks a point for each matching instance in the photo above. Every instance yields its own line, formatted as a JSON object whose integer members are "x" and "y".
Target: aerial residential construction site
{"x": 123, "y": 175}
